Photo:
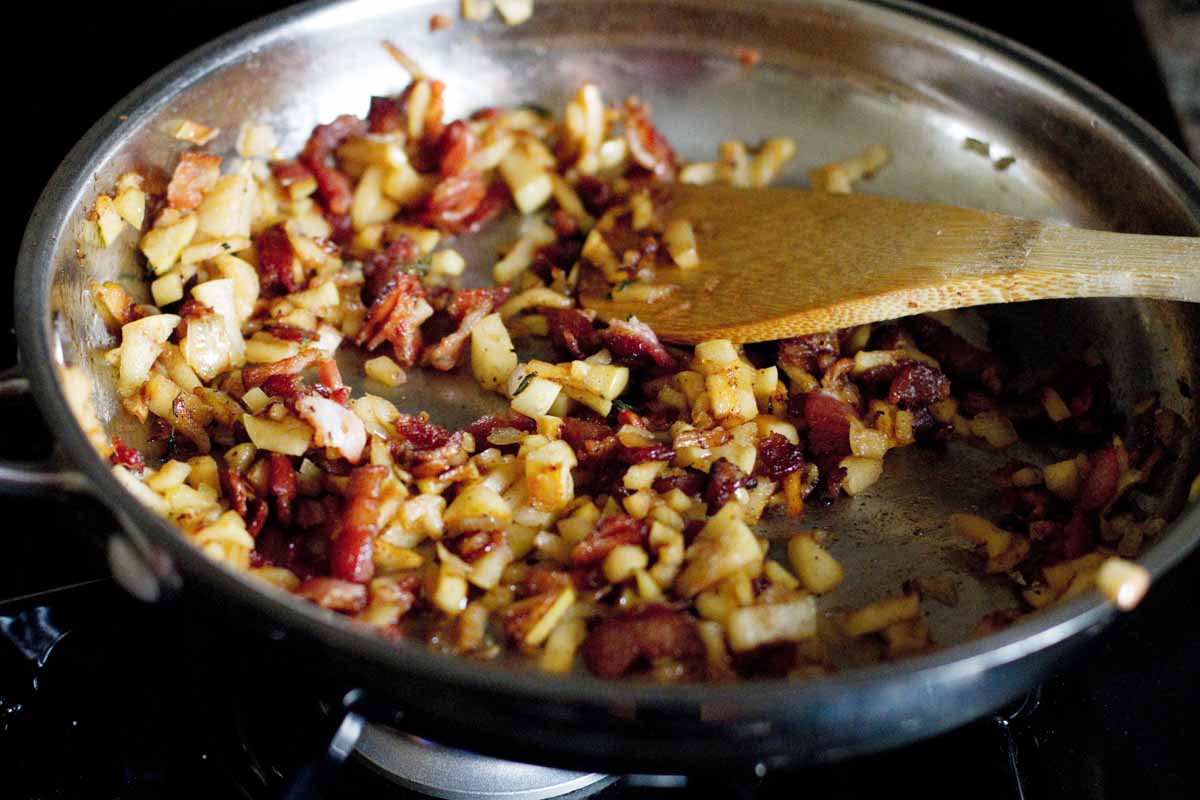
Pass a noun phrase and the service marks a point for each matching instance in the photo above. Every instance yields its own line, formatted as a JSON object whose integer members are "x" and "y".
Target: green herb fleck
{"x": 225, "y": 246}
{"x": 622, "y": 405}
{"x": 1002, "y": 164}
{"x": 420, "y": 267}
{"x": 977, "y": 146}
{"x": 524, "y": 384}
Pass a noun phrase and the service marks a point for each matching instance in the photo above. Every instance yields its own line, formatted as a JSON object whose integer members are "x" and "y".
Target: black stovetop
{"x": 102, "y": 697}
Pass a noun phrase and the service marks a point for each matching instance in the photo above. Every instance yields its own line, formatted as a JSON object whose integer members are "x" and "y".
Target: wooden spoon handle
{"x": 1071, "y": 262}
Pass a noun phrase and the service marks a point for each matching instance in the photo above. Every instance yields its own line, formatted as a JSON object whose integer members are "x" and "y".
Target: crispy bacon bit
{"x": 778, "y": 458}
{"x": 285, "y": 387}
{"x": 689, "y": 481}
{"x": 283, "y": 485}
{"x": 813, "y": 353}
{"x": 420, "y": 433}
{"x": 438, "y": 22}
{"x": 289, "y": 333}
{"x": 595, "y": 193}
{"x": 571, "y": 332}
{"x": 276, "y": 260}
{"x": 828, "y": 421}
{"x": 473, "y": 546}
{"x": 396, "y": 316}
{"x": 961, "y": 359}
{"x": 633, "y": 344}
{"x": 330, "y": 382}
{"x": 467, "y": 307}
{"x": 437, "y": 460}
{"x": 129, "y": 457}
{"x": 334, "y": 426}
{"x": 324, "y": 139}
{"x": 724, "y": 478}
{"x": 542, "y": 579}
{"x": 255, "y": 374}
{"x": 385, "y": 116}
{"x": 195, "y": 174}
{"x": 335, "y": 190}
{"x": 494, "y": 203}
{"x": 456, "y": 146}
{"x": 451, "y": 203}
{"x": 334, "y": 594}
{"x": 241, "y": 496}
{"x": 918, "y": 385}
{"x": 1103, "y": 479}
{"x": 591, "y": 439}
{"x": 1078, "y": 537}
{"x": 648, "y": 147}
{"x": 482, "y": 428}
{"x": 618, "y": 644}
{"x": 350, "y": 558}
{"x": 637, "y": 455}
{"x": 611, "y": 532}
{"x": 289, "y": 172}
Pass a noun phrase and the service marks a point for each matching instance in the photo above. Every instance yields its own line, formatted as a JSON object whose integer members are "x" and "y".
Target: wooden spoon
{"x": 785, "y": 262}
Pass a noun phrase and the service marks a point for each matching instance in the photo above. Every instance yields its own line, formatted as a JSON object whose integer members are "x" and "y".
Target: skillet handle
{"x": 34, "y": 478}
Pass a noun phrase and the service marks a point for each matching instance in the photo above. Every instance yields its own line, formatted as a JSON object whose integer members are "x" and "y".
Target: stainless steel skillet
{"x": 838, "y": 76}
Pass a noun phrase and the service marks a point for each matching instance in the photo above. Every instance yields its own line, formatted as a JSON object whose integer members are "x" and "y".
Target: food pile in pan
{"x": 609, "y": 516}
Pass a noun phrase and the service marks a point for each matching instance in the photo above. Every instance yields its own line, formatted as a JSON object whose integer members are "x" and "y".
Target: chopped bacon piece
{"x": 611, "y": 532}
{"x": 129, "y": 457}
{"x": 618, "y": 644}
{"x": 324, "y": 139}
{"x": 241, "y": 496}
{"x": 334, "y": 426}
{"x": 351, "y": 556}
{"x": 453, "y": 199}
{"x": 571, "y": 332}
{"x": 334, "y": 188}
{"x": 689, "y": 481}
{"x": 633, "y": 344}
{"x": 467, "y": 307}
{"x": 828, "y": 421}
{"x": 482, "y": 428}
{"x": 778, "y": 458}
{"x": 1103, "y": 479}
{"x": 396, "y": 316}
{"x": 330, "y": 383}
{"x": 255, "y": 374}
{"x": 542, "y": 579}
{"x": 918, "y": 385}
{"x": 195, "y": 174}
{"x": 495, "y": 201}
{"x": 961, "y": 359}
{"x": 334, "y": 594}
{"x": 456, "y": 146}
{"x": 474, "y": 546}
{"x": 595, "y": 193}
{"x": 648, "y": 147}
{"x": 289, "y": 333}
{"x": 637, "y": 455}
{"x": 724, "y": 478}
{"x": 590, "y": 439}
{"x": 289, "y": 172}
{"x": 285, "y": 387}
{"x": 813, "y": 353}
{"x": 276, "y": 260}
{"x": 420, "y": 433}
{"x": 1078, "y": 537}
{"x": 385, "y": 116}
{"x": 283, "y": 485}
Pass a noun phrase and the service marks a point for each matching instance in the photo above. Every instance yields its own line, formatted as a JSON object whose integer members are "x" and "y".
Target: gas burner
{"x": 436, "y": 771}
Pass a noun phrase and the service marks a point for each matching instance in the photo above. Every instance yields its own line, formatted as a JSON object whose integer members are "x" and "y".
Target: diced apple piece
{"x": 228, "y": 208}
{"x": 141, "y": 342}
{"x": 818, "y": 570}
{"x": 162, "y": 245}
{"x": 290, "y": 436}
{"x": 755, "y": 626}
{"x": 492, "y": 355}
